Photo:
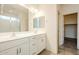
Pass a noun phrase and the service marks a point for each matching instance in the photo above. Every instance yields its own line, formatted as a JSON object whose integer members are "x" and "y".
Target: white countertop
{"x": 17, "y": 35}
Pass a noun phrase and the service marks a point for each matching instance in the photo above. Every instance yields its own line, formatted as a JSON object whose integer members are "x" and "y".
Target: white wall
{"x": 68, "y": 9}
{"x": 51, "y": 26}
{"x": 70, "y": 31}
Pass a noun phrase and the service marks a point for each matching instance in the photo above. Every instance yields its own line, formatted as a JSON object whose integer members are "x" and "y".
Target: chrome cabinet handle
{"x": 17, "y": 51}
{"x": 20, "y": 50}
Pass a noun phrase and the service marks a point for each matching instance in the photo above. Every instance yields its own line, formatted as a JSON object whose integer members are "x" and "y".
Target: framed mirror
{"x": 13, "y": 18}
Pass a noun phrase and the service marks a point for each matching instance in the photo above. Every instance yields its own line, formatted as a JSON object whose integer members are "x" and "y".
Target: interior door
{"x": 23, "y": 49}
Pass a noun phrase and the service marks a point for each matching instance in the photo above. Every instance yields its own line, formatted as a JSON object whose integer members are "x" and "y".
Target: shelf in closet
{"x": 70, "y": 24}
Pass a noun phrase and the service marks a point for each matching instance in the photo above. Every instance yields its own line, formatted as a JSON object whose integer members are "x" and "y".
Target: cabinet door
{"x": 37, "y": 44}
{"x": 11, "y": 43}
{"x": 41, "y": 42}
{"x": 12, "y": 51}
{"x": 18, "y": 50}
{"x": 23, "y": 49}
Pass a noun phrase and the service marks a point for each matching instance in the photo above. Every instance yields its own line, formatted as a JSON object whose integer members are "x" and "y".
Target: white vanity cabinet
{"x": 37, "y": 44}
{"x": 41, "y": 42}
{"x": 30, "y": 45}
{"x": 20, "y": 48}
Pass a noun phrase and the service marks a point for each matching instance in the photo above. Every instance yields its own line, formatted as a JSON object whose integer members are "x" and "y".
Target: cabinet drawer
{"x": 42, "y": 35}
{"x": 12, "y": 43}
{"x": 33, "y": 46}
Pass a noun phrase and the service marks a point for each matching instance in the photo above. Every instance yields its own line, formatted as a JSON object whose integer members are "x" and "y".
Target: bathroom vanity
{"x": 23, "y": 44}
{"x": 20, "y": 32}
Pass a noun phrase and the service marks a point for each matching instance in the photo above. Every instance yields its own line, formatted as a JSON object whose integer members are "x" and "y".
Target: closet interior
{"x": 70, "y": 30}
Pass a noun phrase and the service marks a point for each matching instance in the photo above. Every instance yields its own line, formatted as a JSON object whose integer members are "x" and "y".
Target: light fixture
{"x": 33, "y": 10}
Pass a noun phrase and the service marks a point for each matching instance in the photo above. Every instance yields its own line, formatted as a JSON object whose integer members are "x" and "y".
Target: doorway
{"x": 70, "y": 35}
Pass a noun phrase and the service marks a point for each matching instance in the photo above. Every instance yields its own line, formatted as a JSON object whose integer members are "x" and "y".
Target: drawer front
{"x": 9, "y": 44}
{"x": 33, "y": 45}
{"x": 42, "y": 35}
{"x": 33, "y": 48}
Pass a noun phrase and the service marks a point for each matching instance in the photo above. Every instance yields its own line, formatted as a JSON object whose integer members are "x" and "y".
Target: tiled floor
{"x": 69, "y": 48}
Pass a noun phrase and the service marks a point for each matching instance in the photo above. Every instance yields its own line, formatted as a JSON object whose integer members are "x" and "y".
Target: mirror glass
{"x": 39, "y": 22}
{"x": 36, "y": 22}
{"x": 13, "y": 18}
